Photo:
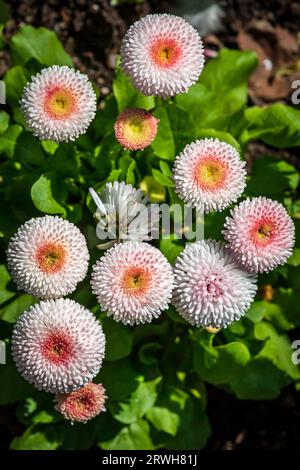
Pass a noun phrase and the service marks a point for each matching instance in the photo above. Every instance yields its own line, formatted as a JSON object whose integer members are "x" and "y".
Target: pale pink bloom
{"x": 47, "y": 257}
{"x": 58, "y": 345}
{"x": 209, "y": 175}
{"x": 260, "y": 234}
{"x": 59, "y": 104}
{"x": 83, "y": 404}
{"x": 133, "y": 282}
{"x": 135, "y": 128}
{"x": 162, "y": 54}
{"x": 210, "y": 289}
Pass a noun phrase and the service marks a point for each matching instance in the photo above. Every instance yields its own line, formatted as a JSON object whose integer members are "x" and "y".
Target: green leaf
{"x": 148, "y": 353}
{"x": 4, "y": 12}
{"x": 118, "y": 339}
{"x": 163, "y": 419}
{"x": 40, "y": 44}
{"x": 277, "y": 125}
{"x": 175, "y": 130}
{"x": 28, "y": 149}
{"x": 44, "y": 194}
{"x": 271, "y": 177}
{"x": 129, "y": 97}
{"x": 5, "y": 291}
{"x": 120, "y": 378}
{"x": 171, "y": 248}
{"x": 259, "y": 380}
{"x": 35, "y": 440}
{"x": 162, "y": 179}
{"x": 14, "y": 309}
{"x": 277, "y": 348}
{"x": 15, "y": 80}
{"x": 4, "y": 121}
{"x": 8, "y": 140}
{"x": 294, "y": 260}
{"x": 287, "y": 314}
{"x": 220, "y": 135}
{"x": 133, "y": 437}
{"x": 221, "y": 91}
{"x": 219, "y": 364}
{"x": 14, "y": 387}
{"x": 262, "y": 309}
{"x": 154, "y": 191}
{"x": 139, "y": 402}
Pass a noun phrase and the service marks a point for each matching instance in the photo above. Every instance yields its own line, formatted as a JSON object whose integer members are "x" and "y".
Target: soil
{"x": 91, "y": 32}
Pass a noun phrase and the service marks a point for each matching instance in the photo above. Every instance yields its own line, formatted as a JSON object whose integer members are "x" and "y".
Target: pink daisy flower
{"x": 82, "y": 404}
{"x": 58, "y": 345}
{"x": 163, "y": 55}
{"x": 209, "y": 175}
{"x": 133, "y": 282}
{"x": 59, "y": 104}
{"x": 135, "y": 128}
{"x": 210, "y": 289}
{"x": 260, "y": 234}
{"x": 47, "y": 257}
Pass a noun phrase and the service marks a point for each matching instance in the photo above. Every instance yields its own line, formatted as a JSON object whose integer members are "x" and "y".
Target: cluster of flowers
{"x": 58, "y": 345}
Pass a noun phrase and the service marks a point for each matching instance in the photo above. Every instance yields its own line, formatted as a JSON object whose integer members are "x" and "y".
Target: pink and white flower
{"x": 58, "y": 345}
{"x": 162, "y": 54}
{"x": 82, "y": 404}
{"x": 209, "y": 175}
{"x": 59, "y": 104}
{"x": 210, "y": 289}
{"x": 133, "y": 282}
{"x": 47, "y": 257}
{"x": 260, "y": 234}
{"x": 135, "y": 128}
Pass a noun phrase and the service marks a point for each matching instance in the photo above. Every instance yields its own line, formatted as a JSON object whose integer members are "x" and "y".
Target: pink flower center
{"x": 135, "y": 280}
{"x": 165, "y": 52}
{"x": 51, "y": 257}
{"x": 59, "y": 103}
{"x": 57, "y": 348}
{"x": 263, "y": 232}
{"x": 209, "y": 288}
{"x": 210, "y": 173}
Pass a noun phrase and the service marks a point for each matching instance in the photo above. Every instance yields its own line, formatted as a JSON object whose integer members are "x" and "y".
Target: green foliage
{"x": 154, "y": 374}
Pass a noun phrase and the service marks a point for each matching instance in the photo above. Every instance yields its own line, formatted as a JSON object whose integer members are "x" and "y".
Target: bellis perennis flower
{"x": 211, "y": 290}
{"x": 163, "y": 55}
{"x": 123, "y": 213}
{"x": 209, "y": 175}
{"x": 58, "y": 345}
{"x": 135, "y": 128}
{"x": 260, "y": 234}
{"x": 47, "y": 257}
{"x": 82, "y": 404}
{"x": 133, "y": 282}
{"x": 59, "y": 104}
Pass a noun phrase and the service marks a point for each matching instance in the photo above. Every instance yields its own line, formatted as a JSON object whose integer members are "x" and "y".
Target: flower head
{"x": 135, "y": 128}
{"x": 123, "y": 213}
{"x": 82, "y": 404}
{"x": 163, "y": 55}
{"x": 133, "y": 282}
{"x": 58, "y": 103}
{"x": 47, "y": 257}
{"x": 210, "y": 289}
{"x": 209, "y": 175}
{"x": 260, "y": 234}
{"x": 58, "y": 345}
